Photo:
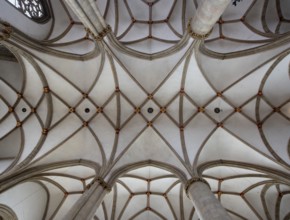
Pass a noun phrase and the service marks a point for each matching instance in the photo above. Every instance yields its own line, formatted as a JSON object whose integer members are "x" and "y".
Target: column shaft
{"x": 207, "y": 15}
{"x": 205, "y": 203}
{"x": 80, "y": 14}
{"x": 87, "y": 205}
{"x": 89, "y": 14}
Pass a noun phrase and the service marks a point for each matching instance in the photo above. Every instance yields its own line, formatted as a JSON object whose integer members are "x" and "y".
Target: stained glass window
{"x": 34, "y": 9}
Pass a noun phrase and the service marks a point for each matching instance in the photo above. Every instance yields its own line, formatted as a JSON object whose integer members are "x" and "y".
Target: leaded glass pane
{"x": 31, "y": 8}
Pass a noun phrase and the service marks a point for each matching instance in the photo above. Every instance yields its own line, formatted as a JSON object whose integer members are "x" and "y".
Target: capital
{"x": 6, "y": 31}
{"x": 101, "y": 35}
{"x": 103, "y": 183}
{"x": 196, "y": 35}
{"x": 194, "y": 180}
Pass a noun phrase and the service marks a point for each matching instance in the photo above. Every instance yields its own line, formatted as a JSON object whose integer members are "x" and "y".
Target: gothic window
{"x": 37, "y": 10}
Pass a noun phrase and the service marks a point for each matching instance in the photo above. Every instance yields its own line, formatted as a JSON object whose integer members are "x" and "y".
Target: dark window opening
{"x": 36, "y": 10}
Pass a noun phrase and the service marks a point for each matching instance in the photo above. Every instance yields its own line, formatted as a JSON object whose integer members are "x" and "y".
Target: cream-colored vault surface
{"x": 73, "y": 109}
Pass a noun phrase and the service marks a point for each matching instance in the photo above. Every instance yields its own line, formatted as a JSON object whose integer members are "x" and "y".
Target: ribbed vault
{"x": 73, "y": 109}
{"x": 138, "y": 195}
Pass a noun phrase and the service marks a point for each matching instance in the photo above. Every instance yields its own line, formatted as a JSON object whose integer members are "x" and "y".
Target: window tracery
{"x": 34, "y": 9}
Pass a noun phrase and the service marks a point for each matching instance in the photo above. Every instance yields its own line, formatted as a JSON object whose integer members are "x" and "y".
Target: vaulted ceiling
{"x": 146, "y": 109}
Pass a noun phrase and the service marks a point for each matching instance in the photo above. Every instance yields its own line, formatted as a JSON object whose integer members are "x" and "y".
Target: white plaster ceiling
{"x": 242, "y": 68}
{"x": 138, "y": 195}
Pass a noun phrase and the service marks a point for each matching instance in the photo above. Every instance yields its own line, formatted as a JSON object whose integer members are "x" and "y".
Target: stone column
{"x": 89, "y": 14}
{"x": 87, "y": 205}
{"x": 206, "y": 16}
{"x": 205, "y": 203}
{"x": 75, "y": 7}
